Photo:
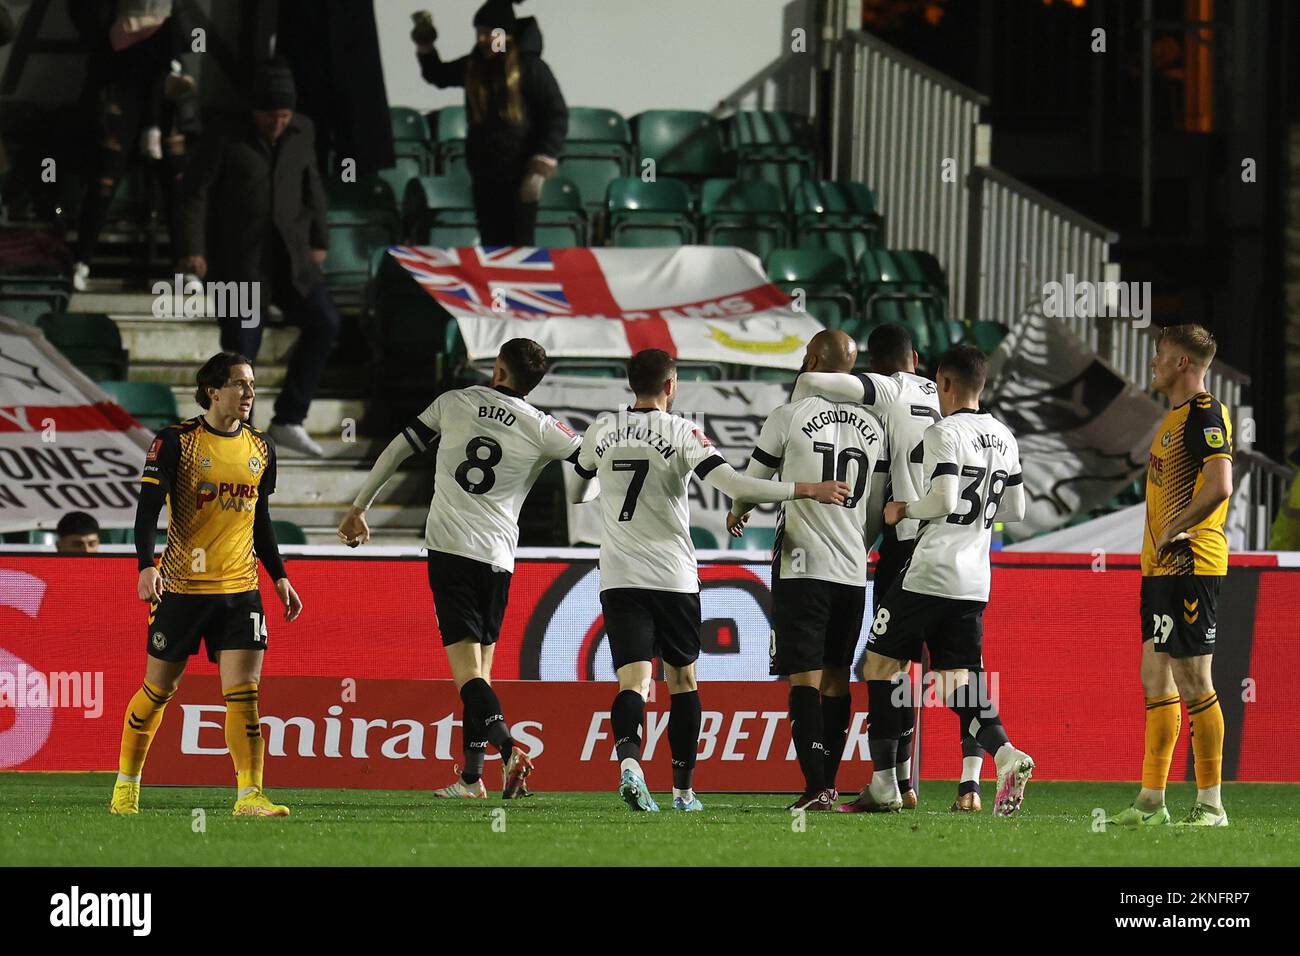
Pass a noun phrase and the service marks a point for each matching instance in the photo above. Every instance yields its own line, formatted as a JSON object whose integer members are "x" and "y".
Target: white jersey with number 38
{"x": 951, "y": 559}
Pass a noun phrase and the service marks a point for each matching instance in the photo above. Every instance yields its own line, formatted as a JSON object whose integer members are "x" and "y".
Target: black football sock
{"x": 806, "y": 728}
{"x": 835, "y": 728}
{"x": 905, "y": 715}
{"x": 476, "y": 741}
{"x": 882, "y": 725}
{"x": 625, "y": 717}
{"x": 684, "y": 737}
{"x": 970, "y": 751}
{"x": 481, "y": 701}
{"x": 978, "y": 717}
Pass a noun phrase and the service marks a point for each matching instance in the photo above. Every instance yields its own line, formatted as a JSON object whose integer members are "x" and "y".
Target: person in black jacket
{"x": 517, "y": 117}
{"x": 253, "y": 210}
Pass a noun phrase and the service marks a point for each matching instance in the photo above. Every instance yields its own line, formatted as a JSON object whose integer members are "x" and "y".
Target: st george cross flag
{"x": 699, "y": 303}
{"x": 64, "y": 444}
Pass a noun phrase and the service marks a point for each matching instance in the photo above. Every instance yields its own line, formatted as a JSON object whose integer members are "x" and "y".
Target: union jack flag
{"x": 493, "y": 280}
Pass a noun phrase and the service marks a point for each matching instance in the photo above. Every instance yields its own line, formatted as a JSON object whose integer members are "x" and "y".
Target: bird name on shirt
{"x": 839, "y": 416}
{"x": 497, "y": 413}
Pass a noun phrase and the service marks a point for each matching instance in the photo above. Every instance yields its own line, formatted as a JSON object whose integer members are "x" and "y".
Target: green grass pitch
{"x": 63, "y": 820}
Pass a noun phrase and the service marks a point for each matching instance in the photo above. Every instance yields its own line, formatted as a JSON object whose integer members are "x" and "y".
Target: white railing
{"x": 912, "y": 135}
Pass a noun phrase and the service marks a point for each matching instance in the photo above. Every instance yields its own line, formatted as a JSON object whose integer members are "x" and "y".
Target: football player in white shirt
{"x": 819, "y": 567}
{"x": 908, "y": 404}
{"x": 649, "y": 582}
{"x": 492, "y": 445}
{"x": 972, "y": 469}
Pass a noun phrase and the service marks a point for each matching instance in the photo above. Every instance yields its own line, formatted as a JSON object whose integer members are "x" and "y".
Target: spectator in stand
{"x": 517, "y": 117}
{"x": 148, "y": 107}
{"x": 78, "y": 533}
{"x": 253, "y": 210}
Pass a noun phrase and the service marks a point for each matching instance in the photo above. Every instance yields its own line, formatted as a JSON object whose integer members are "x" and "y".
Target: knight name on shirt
{"x": 989, "y": 441}
{"x": 497, "y": 413}
{"x": 838, "y": 416}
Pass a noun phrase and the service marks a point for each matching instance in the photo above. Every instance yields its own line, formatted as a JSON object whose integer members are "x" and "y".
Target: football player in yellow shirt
{"x": 217, "y": 475}
{"x": 1184, "y": 561}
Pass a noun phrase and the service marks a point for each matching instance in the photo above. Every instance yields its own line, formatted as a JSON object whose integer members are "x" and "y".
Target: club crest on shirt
{"x": 254, "y": 464}
{"x": 1165, "y": 439}
{"x": 1213, "y": 437}
{"x": 159, "y": 640}
{"x": 205, "y": 462}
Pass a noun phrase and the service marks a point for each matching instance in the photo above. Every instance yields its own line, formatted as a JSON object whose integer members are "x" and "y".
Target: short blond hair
{"x": 1195, "y": 340}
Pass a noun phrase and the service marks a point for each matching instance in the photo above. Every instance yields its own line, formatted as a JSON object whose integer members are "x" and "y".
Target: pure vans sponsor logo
{"x": 229, "y": 496}
{"x": 77, "y": 909}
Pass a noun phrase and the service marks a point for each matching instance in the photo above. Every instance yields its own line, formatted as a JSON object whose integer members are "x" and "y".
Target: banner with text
{"x": 357, "y": 692}
{"x": 64, "y": 444}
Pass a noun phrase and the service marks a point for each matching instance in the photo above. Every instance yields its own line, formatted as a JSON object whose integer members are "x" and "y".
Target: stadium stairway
{"x": 312, "y": 493}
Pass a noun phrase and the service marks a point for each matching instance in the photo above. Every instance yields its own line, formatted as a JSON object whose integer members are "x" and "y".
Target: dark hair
{"x": 215, "y": 374}
{"x": 967, "y": 364}
{"x": 890, "y": 344}
{"x": 76, "y": 522}
{"x": 648, "y": 370}
{"x": 525, "y": 360}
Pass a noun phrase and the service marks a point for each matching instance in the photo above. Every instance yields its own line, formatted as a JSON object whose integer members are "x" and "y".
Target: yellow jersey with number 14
{"x": 1195, "y": 432}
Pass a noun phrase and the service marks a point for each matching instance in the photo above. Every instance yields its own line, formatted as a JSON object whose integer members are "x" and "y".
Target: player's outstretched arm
{"x": 353, "y": 529}
{"x": 836, "y": 386}
{"x": 764, "y": 462}
{"x": 584, "y": 466}
{"x": 759, "y": 491}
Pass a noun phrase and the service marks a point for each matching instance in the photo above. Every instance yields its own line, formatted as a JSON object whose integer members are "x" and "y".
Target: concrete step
{"x": 150, "y": 339}
{"x": 399, "y": 523}
{"x": 325, "y": 417}
{"x": 300, "y": 482}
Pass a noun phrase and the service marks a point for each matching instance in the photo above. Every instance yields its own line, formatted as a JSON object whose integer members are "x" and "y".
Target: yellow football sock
{"x": 1164, "y": 719}
{"x": 143, "y": 716}
{"x": 244, "y": 735}
{"x": 1206, "y": 718}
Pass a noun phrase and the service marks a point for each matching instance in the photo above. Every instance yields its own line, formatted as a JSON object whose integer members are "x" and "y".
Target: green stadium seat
{"x": 287, "y": 532}
{"x": 841, "y": 217}
{"x": 783, "y": 376}
{"x": 653, "y": 214}
{"x": 597, "y": 150}
{"x": 451, "y": 130}
{"x": 439, "y": 211}
{"x": 561, "y": 218}
{"x": 743, "y": 212}
{"x": 589, "y": 368}
{"x": 777, "y": 147}
{"x": 401, "y": 173}
{"x": 152, "y": 404}
{"x": 118, "y": 536}
{"x": 90, "y": 340}
{"x": 703, "y": 539}
{"x": 700, "y": 372}
{"x": 362, "y": 218}
{"x": 686, "y": 144}
{"x": 27, "y": 298}
{"x": 823, "y": 277}
{"x": 408, "y": 125}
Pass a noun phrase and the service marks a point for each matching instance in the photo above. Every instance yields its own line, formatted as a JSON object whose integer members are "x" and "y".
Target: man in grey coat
{"x": 253, "y": 210}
